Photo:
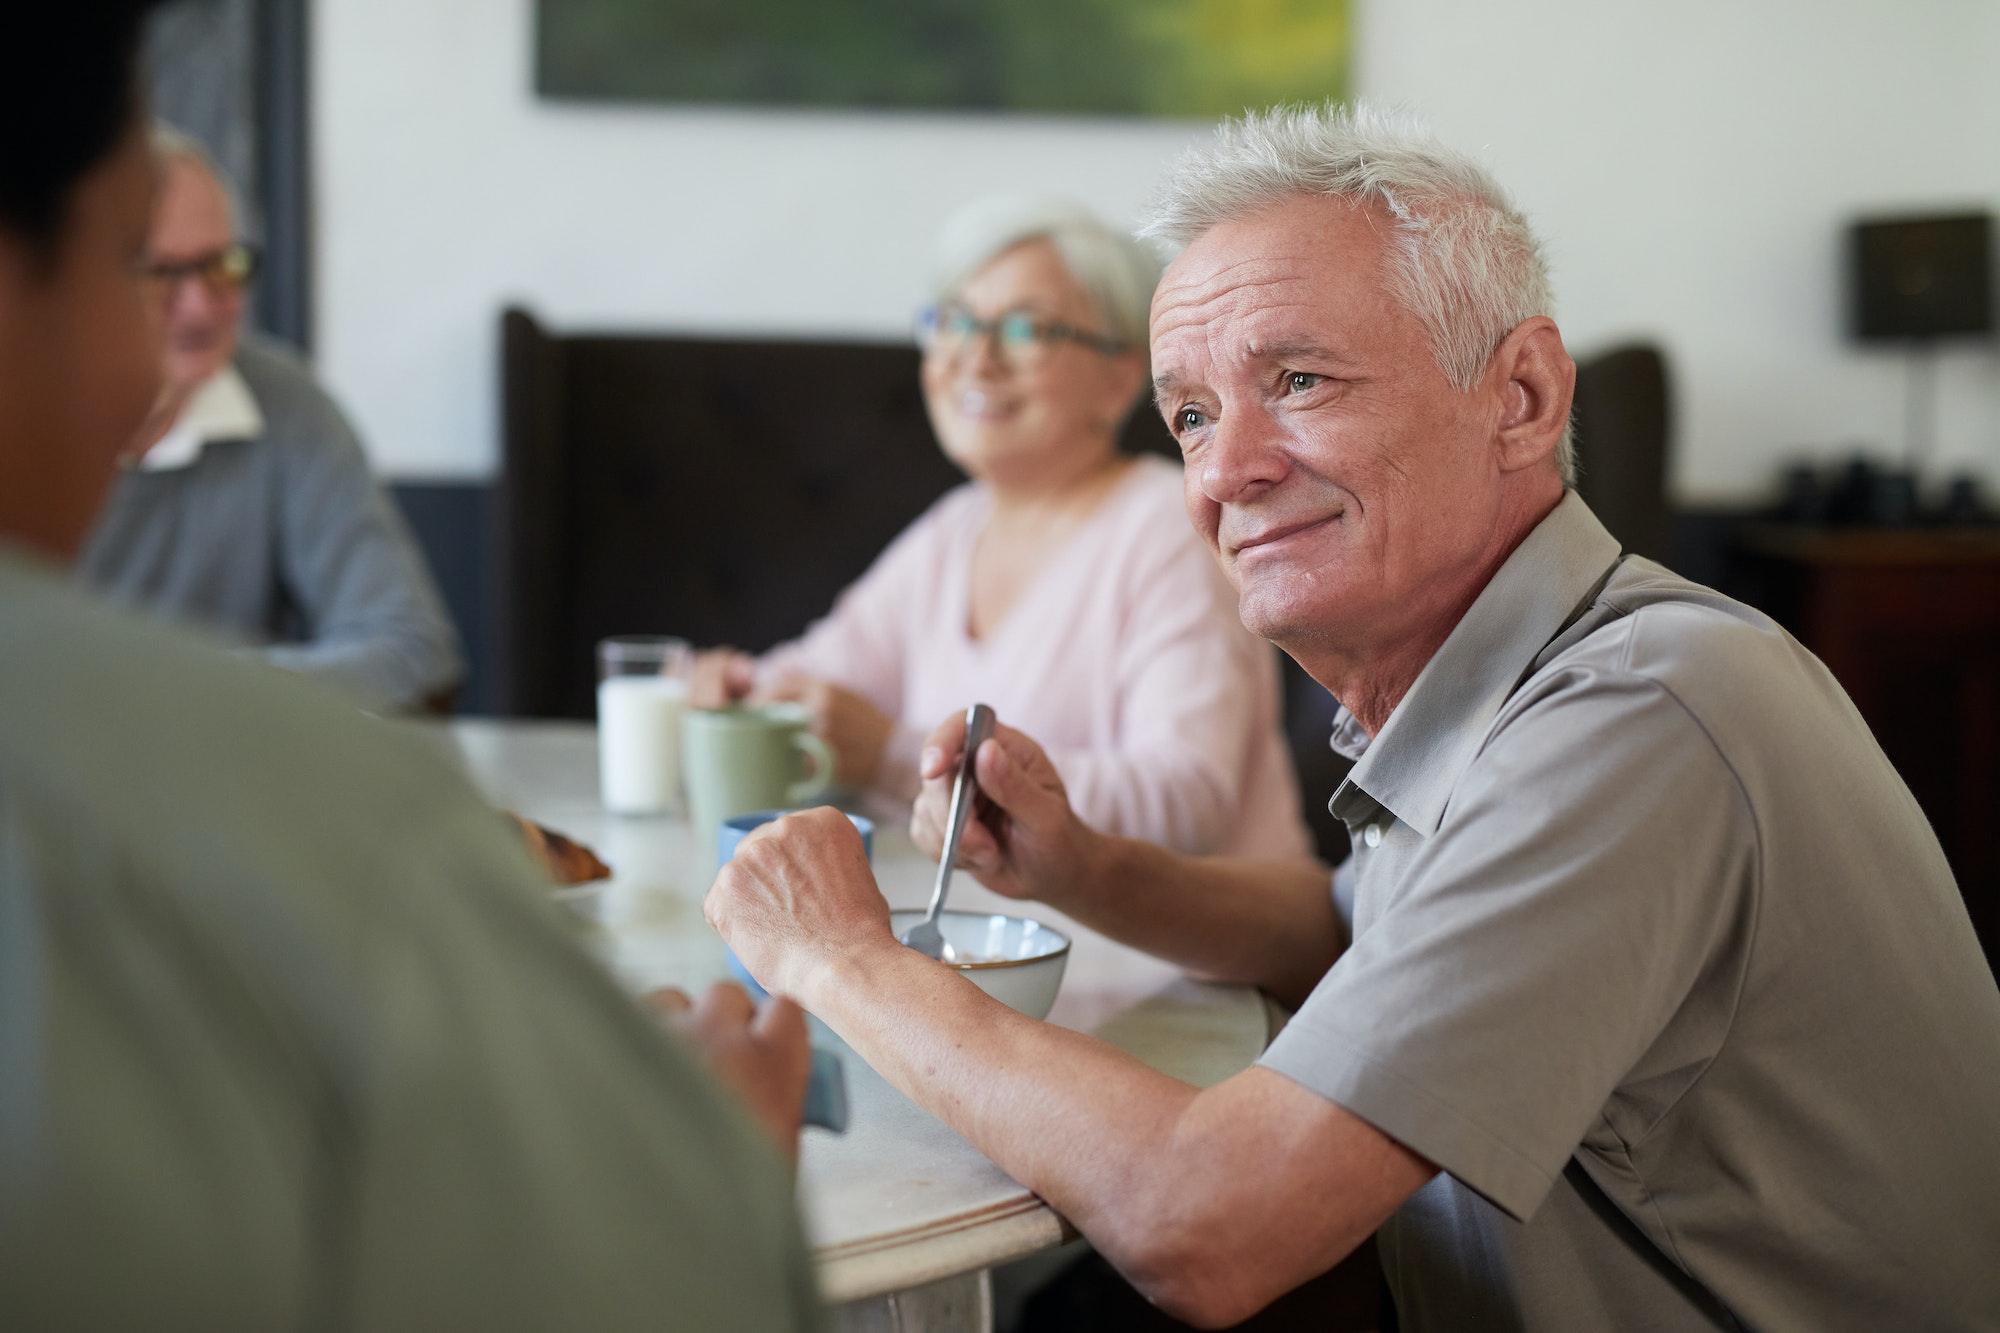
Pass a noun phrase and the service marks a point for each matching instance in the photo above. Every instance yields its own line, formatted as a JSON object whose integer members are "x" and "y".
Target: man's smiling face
{"x": 1345, "y": 485}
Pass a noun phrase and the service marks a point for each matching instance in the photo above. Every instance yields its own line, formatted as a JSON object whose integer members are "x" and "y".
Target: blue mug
{"x": 733, "y": 832}
{"x": 826, "y": 1093}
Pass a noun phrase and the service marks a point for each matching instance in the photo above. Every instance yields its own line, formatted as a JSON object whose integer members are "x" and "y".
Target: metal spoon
{"x": 925, "y": 937}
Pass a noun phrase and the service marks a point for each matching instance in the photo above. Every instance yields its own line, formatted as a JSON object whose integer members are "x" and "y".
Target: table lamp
{"x": 1916, "y": 281}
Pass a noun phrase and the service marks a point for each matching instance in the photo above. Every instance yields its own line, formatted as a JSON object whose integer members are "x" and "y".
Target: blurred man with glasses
{"x": 246, "y": 503}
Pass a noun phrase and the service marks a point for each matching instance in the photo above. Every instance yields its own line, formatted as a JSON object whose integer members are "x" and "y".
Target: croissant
{"x": 563, "y": 859}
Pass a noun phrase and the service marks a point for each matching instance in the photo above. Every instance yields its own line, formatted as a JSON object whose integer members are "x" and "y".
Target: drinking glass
{"x": 642, "y": 688}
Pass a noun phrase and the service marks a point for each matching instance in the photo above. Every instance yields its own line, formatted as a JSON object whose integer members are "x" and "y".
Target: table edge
{"x": 1010, "y": 1230}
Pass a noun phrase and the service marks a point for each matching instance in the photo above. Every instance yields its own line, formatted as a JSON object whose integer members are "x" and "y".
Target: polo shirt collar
{"x": 1412, "y": 766}
{"x": 223, "y": 408}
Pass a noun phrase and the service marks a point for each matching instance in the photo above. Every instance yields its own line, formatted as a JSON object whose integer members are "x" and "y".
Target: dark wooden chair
{"x": 1623, "y": 433}
{"x": 721, "y": 490}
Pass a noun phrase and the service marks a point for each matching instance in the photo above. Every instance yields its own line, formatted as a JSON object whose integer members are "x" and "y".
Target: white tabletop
{"x": 900, "y": 1199}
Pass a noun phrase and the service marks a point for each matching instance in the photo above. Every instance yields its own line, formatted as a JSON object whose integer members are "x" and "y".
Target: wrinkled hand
{"x": 797, "y": 895}
{"x": 1026, "y": 842}
{"x": 761, "y": 1055}
{"x": 857, "y": 730}
{"x": 721, "y": 677}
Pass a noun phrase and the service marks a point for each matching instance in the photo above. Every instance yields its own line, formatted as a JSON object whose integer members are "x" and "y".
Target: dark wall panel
{"x": 453, "y": 522}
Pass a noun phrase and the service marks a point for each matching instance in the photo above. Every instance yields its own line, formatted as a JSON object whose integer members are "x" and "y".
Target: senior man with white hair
{"x": 1656, "y": 1006}
{"x": 245, "y": 503}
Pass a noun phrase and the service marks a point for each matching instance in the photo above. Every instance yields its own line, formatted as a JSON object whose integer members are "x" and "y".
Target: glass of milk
{"x": 642, "y": 685}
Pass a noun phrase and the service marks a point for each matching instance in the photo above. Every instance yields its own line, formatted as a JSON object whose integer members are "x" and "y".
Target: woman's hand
{"x": 1025, "y": 841}
{"x": 761, "y": 1055}
{"x": 857, "y": 730}
{"x": 721, "y": 677}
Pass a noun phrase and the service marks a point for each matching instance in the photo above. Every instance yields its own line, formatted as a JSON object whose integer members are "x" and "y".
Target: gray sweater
{"x": 285, "y": 542}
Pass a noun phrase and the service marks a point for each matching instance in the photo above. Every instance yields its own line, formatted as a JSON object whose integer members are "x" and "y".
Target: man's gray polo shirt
{"x": 1657, "y": 959}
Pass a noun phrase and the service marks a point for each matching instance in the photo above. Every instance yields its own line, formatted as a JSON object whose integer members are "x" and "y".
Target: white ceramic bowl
{"x": 586, "y": 900}
{"x": 1017, "y": 961}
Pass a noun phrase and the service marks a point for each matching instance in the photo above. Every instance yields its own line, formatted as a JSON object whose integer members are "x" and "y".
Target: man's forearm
{"x": 1269, "y": 924}
{"x": 1079, "y": 1122}
{"x": 1211, "y": 1202}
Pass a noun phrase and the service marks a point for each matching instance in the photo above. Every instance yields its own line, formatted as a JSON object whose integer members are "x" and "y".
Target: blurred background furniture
{"x": 1915, "y": 283}
{"x": 1909, "y": 623}
{"x": 721, "y": 490}
{"x": 1623, "y": 426}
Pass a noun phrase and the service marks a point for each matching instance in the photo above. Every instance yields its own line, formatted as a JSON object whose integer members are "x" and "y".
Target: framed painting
{"x": 1175, "y": 58}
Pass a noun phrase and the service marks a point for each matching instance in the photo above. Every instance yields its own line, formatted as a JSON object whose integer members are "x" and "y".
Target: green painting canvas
{"x": 1192, "y": 58}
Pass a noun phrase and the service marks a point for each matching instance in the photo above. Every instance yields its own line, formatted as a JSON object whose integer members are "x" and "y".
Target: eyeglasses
{"x": 949, "y": 331}
{"x": 223, "y": 272}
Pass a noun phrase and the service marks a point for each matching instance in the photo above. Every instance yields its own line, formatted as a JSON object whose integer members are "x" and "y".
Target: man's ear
{"x": 1536, "y": 380}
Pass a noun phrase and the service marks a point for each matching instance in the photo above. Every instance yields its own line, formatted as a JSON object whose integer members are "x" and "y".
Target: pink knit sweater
{"x": 1124, "y": 659}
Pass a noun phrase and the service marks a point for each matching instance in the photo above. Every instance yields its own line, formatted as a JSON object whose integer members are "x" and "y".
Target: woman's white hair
{"x": 1463, "y": 259}
{"x": 1117, "y": 272}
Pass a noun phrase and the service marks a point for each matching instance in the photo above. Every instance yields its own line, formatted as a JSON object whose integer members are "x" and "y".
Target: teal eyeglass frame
{"x": 1013, "y": 333}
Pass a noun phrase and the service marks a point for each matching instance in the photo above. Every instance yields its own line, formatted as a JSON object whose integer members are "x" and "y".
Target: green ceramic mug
{"x": 737, "y": 760}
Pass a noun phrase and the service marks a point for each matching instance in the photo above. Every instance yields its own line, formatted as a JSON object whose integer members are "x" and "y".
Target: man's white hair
{"x": 170, "y": 142}
{"x": 1463, "y": 259}
{"x": 1117, "y": 272}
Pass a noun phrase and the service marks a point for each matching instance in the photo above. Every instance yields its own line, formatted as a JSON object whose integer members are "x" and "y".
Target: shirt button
{"x": 1372, "y": 835}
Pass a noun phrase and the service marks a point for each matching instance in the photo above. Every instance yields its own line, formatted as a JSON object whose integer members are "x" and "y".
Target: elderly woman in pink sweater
{"x": 1063, "y": 584}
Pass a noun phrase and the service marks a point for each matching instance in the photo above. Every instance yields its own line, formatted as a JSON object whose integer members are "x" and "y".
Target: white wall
{"x": 446, "y": 190}
{"x": 1690, "y": 165}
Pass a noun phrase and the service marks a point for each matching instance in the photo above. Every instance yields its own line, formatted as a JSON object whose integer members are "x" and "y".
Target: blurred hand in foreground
{"x": 1025, "y": 841}
{"x": 855, "y": 728}
{"x": 761, "y": 1055}
{"x": 721, "y": 677}
{"x": 797, "y": 895}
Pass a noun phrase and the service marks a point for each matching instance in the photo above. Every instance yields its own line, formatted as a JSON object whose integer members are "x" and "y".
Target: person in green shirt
{"x": 290, "y": 1036}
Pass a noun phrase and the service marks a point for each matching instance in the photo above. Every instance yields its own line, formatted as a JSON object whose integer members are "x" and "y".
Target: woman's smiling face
{"x": 1034, "y": 417}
